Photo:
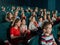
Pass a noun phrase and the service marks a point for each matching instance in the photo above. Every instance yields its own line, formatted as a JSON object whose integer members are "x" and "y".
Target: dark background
{"x": 48, "y": 4}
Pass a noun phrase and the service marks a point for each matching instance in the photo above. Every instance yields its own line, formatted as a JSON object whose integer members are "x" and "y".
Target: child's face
{"x": 48, "y": 29}
{"x": 16, "y": 13}
{"x": 34, "y": 13}
{"x": 45, "y": 10}
{"x": 23, "y": 22}
{"x": 36, "y": 10}
{"x": 48, "y": 12}
{"x": 41, "y": 10}
{"x": 18, "y": 8}
{"x": 21, "y": 8}
{"x": 10, "y": 16}
{"x": 54, "y": 15}
{"x": 31, "y": 10}
{"x": 18, "y": 23}
{"x": 40, "y": 19}
{"x": 33, "y": 19}
{"x": 28, "y": 8}
{"x": 13, "y": 7}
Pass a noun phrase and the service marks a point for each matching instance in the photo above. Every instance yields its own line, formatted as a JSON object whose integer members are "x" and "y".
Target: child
{"x": 23, "y": 16}
{"x": 33, "y": 24}
{"x": 23, "y": 27}
{"x": 29, "y": 8}
{"x": 34, "y": 14}
{"x": 12, "y": 10}
{"x": 41, "y": 12}
{"x": 36, "y": 9}
{"x": 45, "y": 18}
{"x": 44, "y": 11}
{"x": 9, "y": 17}
{"x": 54, "y": 17}
{"x": 40, "y": 22}
{"x": 15, "y": 32}
{"x": 3, "y": 9}
{"x": 24, "y": 31}
{"x": 16, "y": 14}
{"x": 47, "y": 37}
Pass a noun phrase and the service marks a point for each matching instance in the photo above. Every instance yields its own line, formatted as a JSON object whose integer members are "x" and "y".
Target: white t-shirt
{"x": 32, "y": 26}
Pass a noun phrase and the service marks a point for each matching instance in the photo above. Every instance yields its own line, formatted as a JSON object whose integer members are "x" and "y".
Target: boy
{"x": 47, "y": 37}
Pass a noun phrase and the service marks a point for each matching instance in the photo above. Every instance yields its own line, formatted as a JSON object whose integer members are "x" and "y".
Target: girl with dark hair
{"x": 15, "y": 32}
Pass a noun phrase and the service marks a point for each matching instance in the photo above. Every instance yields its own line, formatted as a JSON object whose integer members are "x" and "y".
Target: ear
{"x": 44, "y": 30}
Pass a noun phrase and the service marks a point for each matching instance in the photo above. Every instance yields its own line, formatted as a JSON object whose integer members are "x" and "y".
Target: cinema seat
{"x": 34, "y": 40}
{"x": 55, "y": 30}
{"x": 3, "y": 30}
{"x": 2, "y": 16}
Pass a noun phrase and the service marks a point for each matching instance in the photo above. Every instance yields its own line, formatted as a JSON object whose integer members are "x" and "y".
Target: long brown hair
{"x": 16, "y": 21}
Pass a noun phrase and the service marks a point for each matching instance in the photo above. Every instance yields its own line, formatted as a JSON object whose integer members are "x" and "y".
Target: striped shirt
{"x": 47, "y": 40}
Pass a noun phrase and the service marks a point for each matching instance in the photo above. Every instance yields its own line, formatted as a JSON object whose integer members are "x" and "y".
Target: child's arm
{"x": 54, "y": 43}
